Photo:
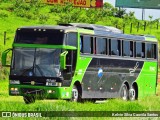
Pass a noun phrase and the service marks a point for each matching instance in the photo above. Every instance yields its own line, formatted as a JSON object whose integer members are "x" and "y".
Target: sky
{"x": 138, "y": 12}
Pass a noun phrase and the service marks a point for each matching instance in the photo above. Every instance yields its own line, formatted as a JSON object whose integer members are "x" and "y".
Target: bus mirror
{"x": 63, "y": 59}
{"x": 4, "y": 57}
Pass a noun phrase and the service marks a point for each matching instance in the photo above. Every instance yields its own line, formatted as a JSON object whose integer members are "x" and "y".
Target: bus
{"x": 79, "y": 61}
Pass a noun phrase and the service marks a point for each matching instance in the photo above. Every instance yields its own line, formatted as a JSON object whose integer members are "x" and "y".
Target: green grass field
{"x": 16, "y": 103}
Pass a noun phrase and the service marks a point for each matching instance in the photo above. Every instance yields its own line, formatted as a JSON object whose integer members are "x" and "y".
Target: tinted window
{"x": 126, "y": 48}
{"x": 115, "y": 47}
{"x": 101, "y": 46}
{"x": 131, "y": 48}
{"x": 86, "y": 44}
{"x": 143, "y": 50}
{"x": 32, "y": 36}
{"x": 138, "y": 49}
{"x": 36, "y": 62}
{"x": 71, "y": 39}
{"x": 151, "y": 50}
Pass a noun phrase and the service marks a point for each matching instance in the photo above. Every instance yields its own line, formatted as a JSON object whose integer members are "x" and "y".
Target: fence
{"x": 140, "y": 25}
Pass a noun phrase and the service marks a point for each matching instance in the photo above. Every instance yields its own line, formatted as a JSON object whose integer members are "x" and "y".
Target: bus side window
{"x": 101, "y": 46}
{"x": 126, "y": 48}
{"x": 138, "y": 49}
{"x": 131, "y": 48}
{"x": 151, "y": 51}
{"x": 81, "y": 44}
{"x": 71, "y": 39}
{"x": 115, "y": 47}
{"x": 143, "y": 50}
{"x": 155, "y": 51}
{"x": 87, "y": 44}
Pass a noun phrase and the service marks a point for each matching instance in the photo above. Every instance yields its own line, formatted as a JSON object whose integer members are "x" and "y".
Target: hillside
{"x": 16, "y": 13}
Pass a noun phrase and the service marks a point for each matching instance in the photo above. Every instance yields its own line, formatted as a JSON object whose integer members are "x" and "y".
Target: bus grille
{"x": 32, "y": 91}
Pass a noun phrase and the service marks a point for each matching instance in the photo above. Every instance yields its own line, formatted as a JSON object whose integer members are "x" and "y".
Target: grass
{"x": 16, "y": 103}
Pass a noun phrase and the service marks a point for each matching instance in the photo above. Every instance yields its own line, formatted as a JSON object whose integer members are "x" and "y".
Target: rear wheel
{"x": 132, "y": 94}
{"x": 29, "y": 99}
{"x": 124, "y": 92}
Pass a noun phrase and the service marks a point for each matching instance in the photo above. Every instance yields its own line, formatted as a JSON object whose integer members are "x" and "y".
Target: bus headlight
{"x": 14, "y": 91}
{"x": 14, "y": 82}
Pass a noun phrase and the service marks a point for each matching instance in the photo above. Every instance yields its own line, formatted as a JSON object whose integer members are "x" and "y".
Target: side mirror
{"x": 4, "y": 57}
{"x": 63, "y": 59}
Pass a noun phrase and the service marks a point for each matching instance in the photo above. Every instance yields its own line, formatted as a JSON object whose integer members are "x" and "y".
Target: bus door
{"x": 70, "y": 67}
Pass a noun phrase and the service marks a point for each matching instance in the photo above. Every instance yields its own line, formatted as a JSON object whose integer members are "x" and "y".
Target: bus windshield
{"x": 31, "y": 36}
{"x": 36, "y": 62}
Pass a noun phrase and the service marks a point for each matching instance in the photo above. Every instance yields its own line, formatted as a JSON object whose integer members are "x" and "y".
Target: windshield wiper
{"x": 39, "y": 69}
{"x": 25, "y": 70}
{"x": 31, "y": 70}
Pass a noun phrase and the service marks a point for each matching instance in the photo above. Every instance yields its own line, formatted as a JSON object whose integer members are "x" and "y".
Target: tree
{"x": 120, "y": 13}
{"x": 108, "y": 6}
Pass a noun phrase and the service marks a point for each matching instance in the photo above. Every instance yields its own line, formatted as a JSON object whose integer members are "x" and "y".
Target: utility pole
{"x": 143, "y": 14}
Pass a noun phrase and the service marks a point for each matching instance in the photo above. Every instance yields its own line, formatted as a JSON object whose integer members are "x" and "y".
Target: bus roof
{"x": 113, "y": 32}
{"x": 49, "y": 27}
{"x": 99, "y": 30}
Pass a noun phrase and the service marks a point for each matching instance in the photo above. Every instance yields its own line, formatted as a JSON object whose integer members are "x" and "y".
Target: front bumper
{"x": 47, "y": 91}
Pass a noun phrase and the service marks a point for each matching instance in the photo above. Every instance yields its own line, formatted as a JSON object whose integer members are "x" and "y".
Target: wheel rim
{"x": 124, "y": 93}
{"x": 132, "y": 94}
{"x": 75, "y": 94}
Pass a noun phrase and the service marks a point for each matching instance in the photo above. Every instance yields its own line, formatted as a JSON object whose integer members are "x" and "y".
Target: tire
{"x": 132, "y": 94}
{"x": 124, "y": 92}
{"x": 76, "y": 95}
{"x": 29, "y": 99}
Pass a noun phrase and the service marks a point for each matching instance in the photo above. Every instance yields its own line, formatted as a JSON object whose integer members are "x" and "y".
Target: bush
{"x": 56, "y": 9}
{"x": 25, "y": 14}
{"x": 43, "y": 18}
{"x": 3, "y": 14}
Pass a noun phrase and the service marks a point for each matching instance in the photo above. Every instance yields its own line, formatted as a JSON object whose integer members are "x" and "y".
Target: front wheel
{"x": 76, "y": 94}
{"x": 124, "y": 92}
{"x": 29, "y": 99}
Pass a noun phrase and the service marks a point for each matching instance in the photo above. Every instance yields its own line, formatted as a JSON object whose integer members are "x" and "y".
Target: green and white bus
{"x": 81, "y": 62}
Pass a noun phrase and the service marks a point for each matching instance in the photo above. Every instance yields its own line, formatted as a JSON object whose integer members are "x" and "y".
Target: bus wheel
{"x": 76, "y": 97}
{"x": 124, "y": 92}
{"x": 29, "y": 99}
{"x": 132, "y": 94}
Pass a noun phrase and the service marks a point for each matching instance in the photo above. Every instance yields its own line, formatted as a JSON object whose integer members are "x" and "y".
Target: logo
{"x": 6, "y": 114}
{"x": 30, "y": 74}
{"x": 132, "y": 70}
{"x": 100, "y": 72}
{"x": 32, "y": 83}
{"x": 152, "y": 68}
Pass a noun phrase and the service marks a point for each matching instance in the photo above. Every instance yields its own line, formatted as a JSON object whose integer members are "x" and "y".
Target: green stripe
{"x": 44, "y": 46}
{"x": 147, "y": 79}
{"x": 85, "y": 31}
{"x": 81, "y": 67}
{"x": 151, "y": 39}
